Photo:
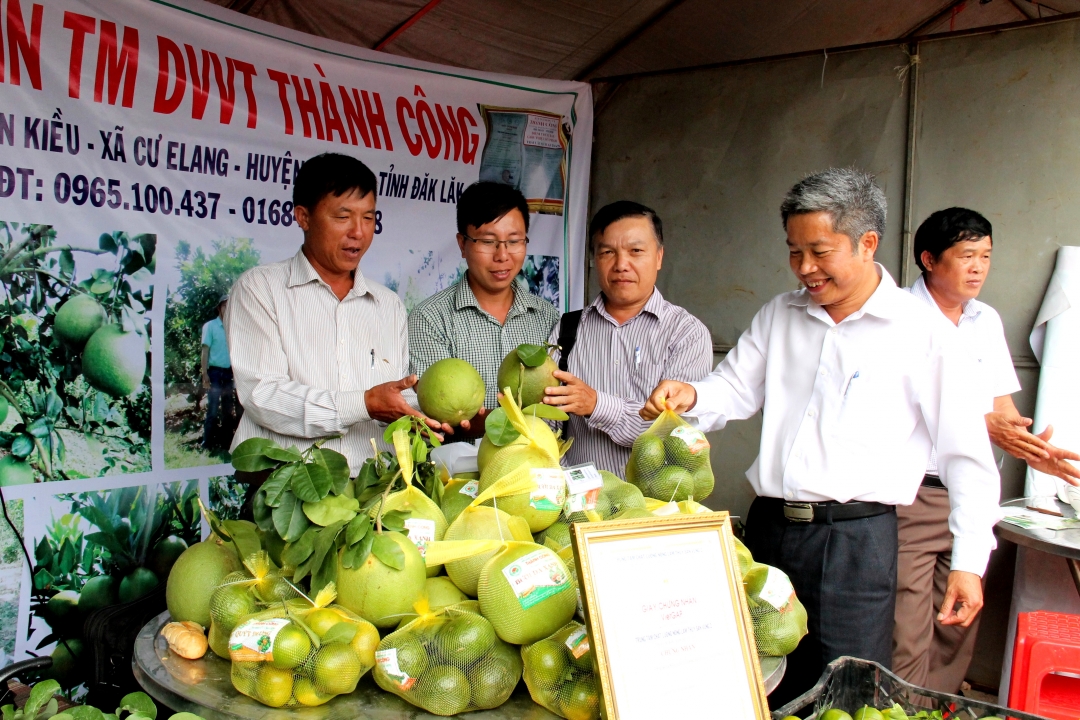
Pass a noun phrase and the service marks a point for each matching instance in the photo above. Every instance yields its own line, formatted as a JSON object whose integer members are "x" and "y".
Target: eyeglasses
{"x": 515, "y": 246}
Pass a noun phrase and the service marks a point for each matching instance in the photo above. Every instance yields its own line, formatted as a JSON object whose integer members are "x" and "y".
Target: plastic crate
{"x": 849, "y": 683}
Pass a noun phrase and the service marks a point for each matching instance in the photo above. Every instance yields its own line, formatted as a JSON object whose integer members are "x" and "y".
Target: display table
{"x": 1064, "y": 543}
{"x": 203, "y": 687}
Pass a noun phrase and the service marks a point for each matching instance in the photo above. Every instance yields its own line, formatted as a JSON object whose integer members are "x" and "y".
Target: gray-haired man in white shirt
{"x": 857, "y": 385}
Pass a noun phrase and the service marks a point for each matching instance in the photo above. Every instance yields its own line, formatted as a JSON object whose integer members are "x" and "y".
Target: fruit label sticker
{"x": 583, "y": 483}
{"x": 421, "y": 532}
{"x": 388, "y": 664}
{"x": 777, "y": 590}
{"x": 252, "y": 640}
{"x": 471, "y": 488}
{"x": 550, "y": 491}
{"x": 671, "y": 508}
{"x": 536, "y": 577}
{"x": 695, "y": 439}
{"x": 578, "y": 642}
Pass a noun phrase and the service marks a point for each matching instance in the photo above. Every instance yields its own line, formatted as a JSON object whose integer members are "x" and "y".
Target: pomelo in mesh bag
{"x": 527, "y": 592}
{"x": 194, "y": 577}
{"x": 379, "y": 593}
{"x": 241, "y": 593}
{"x": 299, "y": 652}
{"x": 670, "y": 461}
{"x": 448, "y": 661}
{"x": 425, "y": 523}
{"x": 439, "y": 592}
{"x": 457, "y": 494}
{"x": 559, "y": 673}
{"x": 777, "y": 615}
{"x": 541, "y": 434}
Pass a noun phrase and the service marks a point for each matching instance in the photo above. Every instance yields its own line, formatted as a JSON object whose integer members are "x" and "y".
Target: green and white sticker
{"x": 695, "y": 439}
{"x": 253, "y": 640}
{"x": 387, "y": 662}
{"x": 550, "y": 492}
{"x": 421, "y": 532}
{"x": 777, "y": 590}
{"x": 471, "y": 488}
{"x": 536, "y": 577}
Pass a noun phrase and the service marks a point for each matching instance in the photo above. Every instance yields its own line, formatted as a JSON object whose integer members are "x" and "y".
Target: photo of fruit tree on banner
{"x": 74, "y": 354}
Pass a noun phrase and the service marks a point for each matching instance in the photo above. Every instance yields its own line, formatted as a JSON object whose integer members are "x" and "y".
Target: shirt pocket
{"x": 644, "y": 377}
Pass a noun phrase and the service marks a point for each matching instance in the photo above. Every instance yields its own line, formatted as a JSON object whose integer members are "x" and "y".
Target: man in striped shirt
{"x": 317, "y": 349}
{"x": 627, "y": 339}
{"x": 488, "y": 312}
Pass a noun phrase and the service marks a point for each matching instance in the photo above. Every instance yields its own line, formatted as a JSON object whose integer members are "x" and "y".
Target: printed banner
{"x": 147, "y": 155}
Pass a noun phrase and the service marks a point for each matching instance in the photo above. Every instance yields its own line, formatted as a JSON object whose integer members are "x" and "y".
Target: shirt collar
{"x": 524, "y": 300}
{"x": 654, "y": 306}
{"x": 970, "y": 309}
{"x": 301, "y": 272}
{"x": 883, "y": 303}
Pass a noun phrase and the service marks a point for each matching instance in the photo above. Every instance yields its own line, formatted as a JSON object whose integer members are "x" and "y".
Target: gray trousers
{"x": 845, "y": 575}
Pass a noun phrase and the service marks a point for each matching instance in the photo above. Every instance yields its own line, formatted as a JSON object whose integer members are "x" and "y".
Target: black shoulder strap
{"x": 568, "y": 327}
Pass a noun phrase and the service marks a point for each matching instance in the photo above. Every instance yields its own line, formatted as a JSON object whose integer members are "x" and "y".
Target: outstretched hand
{"x": 385, "y": 403}
{"x": 1056, "y": 464}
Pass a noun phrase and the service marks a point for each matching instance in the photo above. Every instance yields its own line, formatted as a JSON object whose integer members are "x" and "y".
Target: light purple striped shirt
{"x": 623, "y": 364}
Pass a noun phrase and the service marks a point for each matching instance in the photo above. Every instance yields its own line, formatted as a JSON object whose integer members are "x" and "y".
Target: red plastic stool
{"x": 1046, "y": 665}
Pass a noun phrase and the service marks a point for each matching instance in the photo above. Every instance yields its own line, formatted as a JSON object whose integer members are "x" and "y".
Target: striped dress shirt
{"x": 623, "y": 364}
{"x": 451, "y": 324}
{"x": 302, "y": 359}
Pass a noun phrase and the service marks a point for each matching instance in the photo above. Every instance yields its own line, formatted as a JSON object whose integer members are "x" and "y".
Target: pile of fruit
{"x": 670, "y": 461}
{"x": 469, "y": 580}
{"x": 896, "y": 712}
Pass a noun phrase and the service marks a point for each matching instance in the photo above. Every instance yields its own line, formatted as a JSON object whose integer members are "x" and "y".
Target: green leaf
{"x": 249, "y": 456}
{"x": 282, "y": 454}
{"x": 395, "y": 520}
{"x": 185, "y": 716}
{"x": 336, "y": 464}
{"x": 49, "y": 711}
{"x": 498, "y": 428}
{"x": 323, "y": 542}
{"x": 546, "y": 412}
{"x": 419, "y": 450}
{"x": 307, "y": 485}
{"x": 106, "y": 242}
{"x": 354, "y": 556}
{"x": 245, "y": 538}
{"x": 40, "y": 428}
{"x": 277, "y": 485}
{"x": 331, "y": 509}
{"x": 84, "y": 712}
{"x": 388, "y": 552}
{"x": 358, "y": 528}
{"x": 39, "y": 697}
{"x": 22, "y": 446}
{"x": 262, "y": 512}
{"x": 343, "y": 632}
{"x": 532, "y": 355}
{"x": 8, "y": 712}
{"x": 402, "y": 423}
{"x": 138, "y": 702}
{"x": 324, "y": 574}
{"x": 289, "y": 519}
{"x": 67, "y": 262}
{"x": 295, "y": 553}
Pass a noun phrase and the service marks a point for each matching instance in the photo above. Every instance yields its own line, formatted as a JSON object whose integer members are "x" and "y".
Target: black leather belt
{"x": 830, "y": 512}
{"x": 933, "y": 481}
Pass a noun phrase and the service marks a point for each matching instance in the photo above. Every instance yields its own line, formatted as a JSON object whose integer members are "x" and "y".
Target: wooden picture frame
{"x": 668, "y": 620}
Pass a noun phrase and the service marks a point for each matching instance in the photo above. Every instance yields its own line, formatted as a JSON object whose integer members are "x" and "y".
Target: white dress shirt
{"x": 982, "y": 337}
{"x": 853, "y": 409}
{"x": 302, "y": 359}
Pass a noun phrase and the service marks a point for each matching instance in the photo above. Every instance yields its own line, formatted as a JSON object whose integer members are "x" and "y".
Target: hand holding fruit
{"x": 964, "y": 593}
{"x": 385, "y": 403}
{"x": 671, "y": 395}
{"x": 573, "y": 396}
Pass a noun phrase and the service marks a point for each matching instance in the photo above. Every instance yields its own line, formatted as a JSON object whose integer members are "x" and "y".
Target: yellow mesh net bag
{"x": 559, "y": 673}
{"x": 244, "y": 593}
{"x": 301, "y": 652}
{"x": 448, "y": 662}
{"x": 779, "y": 619}
{"x": 527, "y": 592}
{"x": 670, "y": 461}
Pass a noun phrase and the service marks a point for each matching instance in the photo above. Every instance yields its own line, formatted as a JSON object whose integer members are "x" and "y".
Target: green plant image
{"x": 108, "y": 547}
{"x": 227, "y": 497}
{"x": 204, "y": 276}
{"x": 74, "y": 354}
{"x": 11, "y": 569}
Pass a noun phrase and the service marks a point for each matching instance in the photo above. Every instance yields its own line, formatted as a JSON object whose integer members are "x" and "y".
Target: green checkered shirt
{"x": 451, "y": 323}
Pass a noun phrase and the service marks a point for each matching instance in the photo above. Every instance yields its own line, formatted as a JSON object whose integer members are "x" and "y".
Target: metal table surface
{"x": 203, "y": 687}
{"x": 1063, "y": 543}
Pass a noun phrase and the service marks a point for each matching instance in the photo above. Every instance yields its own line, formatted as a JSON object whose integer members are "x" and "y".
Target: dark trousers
{"x": 845, "y": 575}
{"x": 219, "y": 403}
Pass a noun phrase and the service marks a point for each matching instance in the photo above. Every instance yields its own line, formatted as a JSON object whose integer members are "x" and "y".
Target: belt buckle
{"x": 799, "y": 512}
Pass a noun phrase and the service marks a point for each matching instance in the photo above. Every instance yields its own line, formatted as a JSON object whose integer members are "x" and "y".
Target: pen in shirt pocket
{"x": 372, "y": 358}
{"x": 847, "y": 386}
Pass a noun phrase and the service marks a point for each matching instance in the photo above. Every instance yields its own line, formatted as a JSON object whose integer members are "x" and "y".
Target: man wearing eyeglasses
{"x": 490, "y": 311}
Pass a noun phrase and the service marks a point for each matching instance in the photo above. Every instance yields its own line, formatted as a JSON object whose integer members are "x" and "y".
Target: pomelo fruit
{"x": 835, "y": 714}
{"x": 66, "y": 668}
{"x": 450, "y": 390}
{"x": 114, "y": 361}
{"x": 443, "y": 690}
{"x": 672, "y": 483}
{"x": 418, "y": 506}
{"x": 365, "y": 642}
{"x": 15, "y": 472}
{"x": 465, "y": 639}
{"x": 678, "y": 453}
{"x": 231, "y": 602}
{"x": 98, "y": 592}
{"x": 136, "y": 584}
{"x": 305, "y": 693}
{"x": 320, "y": 621}
{"x": 494, "y": 678}
{"x": 379, "y": 593}
{"x": 441, "y": 591}
{"x": 580, "y": 701}
{"x": 454, "y": 500}
{"x": 625, "y": 496}
{"x": 194, "y": 577}
{"x": 703, "y": 482}
{"x": 546, "y": 661}
{"x": 541, "y": 609}
{"x": 291, "y": 647}
{"x": 540, "y": 431}
{"x": 526, "y": 383}
{"x": 273, "y": 686}
{"x": 868, "y": 713}
{"x": 558, "y": 532}
{"x": 63, "y": 612}
{"x": 337, "y": 669}
{"x": 164, "y": 554}
{"x": 481, "y": 523}
{"x": 646, "y": 456}
{"x": 78, "y": 319}
{"x": 508, "y": 460}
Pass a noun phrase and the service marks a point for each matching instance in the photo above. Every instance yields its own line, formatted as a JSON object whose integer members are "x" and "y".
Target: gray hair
{"x": 851, "y": 197}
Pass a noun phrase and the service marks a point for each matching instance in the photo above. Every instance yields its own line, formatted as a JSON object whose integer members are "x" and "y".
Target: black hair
{"x": 486, "y": 201}
{"x": 331, "y": 174}
{"x": 945, "y": 228}
{"x": 620, "y": 210}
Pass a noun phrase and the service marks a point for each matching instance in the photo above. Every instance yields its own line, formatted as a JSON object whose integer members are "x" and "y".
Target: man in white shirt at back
{"x": 953, "y": 249}
{"x": 857, "y": 383}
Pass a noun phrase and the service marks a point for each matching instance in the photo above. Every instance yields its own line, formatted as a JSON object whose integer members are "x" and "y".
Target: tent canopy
{"x": 575, "y": 39}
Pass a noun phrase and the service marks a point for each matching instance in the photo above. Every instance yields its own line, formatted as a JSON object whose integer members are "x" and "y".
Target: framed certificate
{"x": 668, "y": 620}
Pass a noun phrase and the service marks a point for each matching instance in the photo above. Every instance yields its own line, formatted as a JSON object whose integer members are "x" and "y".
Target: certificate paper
{"x": 673, "y": 643}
